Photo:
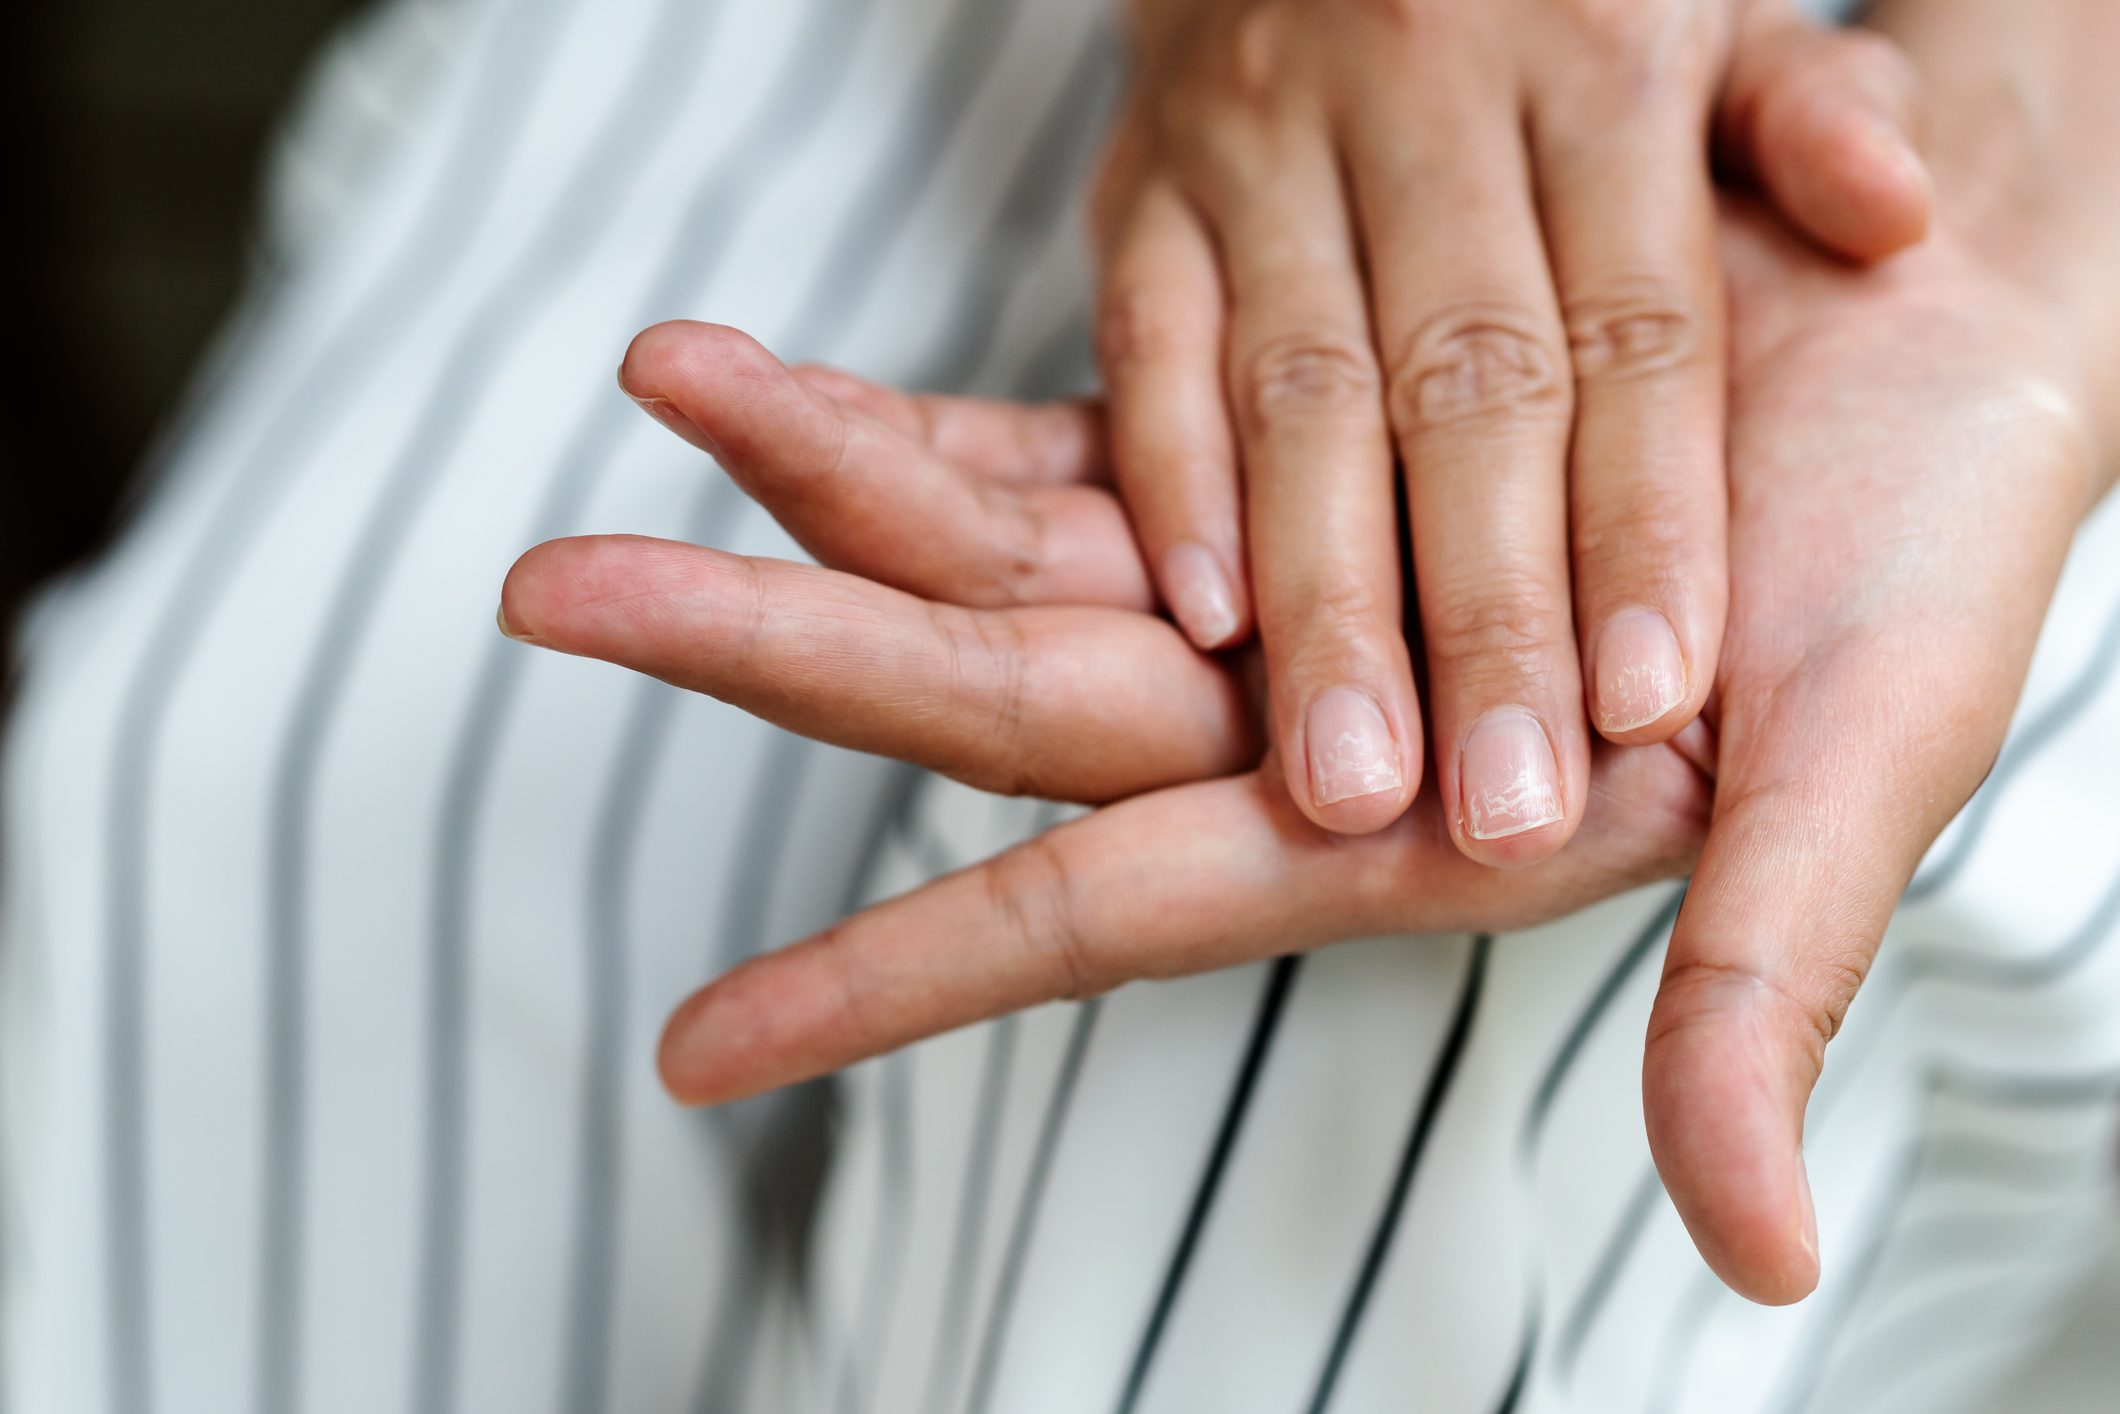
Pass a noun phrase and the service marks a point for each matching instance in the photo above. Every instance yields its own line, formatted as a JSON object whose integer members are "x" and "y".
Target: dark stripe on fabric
{"x": 2038, "y": 734}
{"x": 1520, "y": 1373}
{"x": 1025, "y": 206}
{"x": 585, "y": 1350}
{"x": 735, "y": 1136}
{"x": 1047, "y": 178}
{"x": 949, "y": 78}
{"x": 1016, "y": 1256}
{"x": 1826, "y": 1310}
{"x": 588, "y": 204}
{"x": 887, "y": 1253}
{"x": 320, "y": 394}
{"x": 1689, "y": 1318}
{"x": 790, "y": 111}
{"x": 1634, "y": 1217}
{"x": 897, "y": 1175}
{"x": 1265, "y": 1025}
{"x": 1433, "y": 1094}
{"x": 607, "y": 935}
{"x": 1623, "y": 970}
{"x": 975, "y": 1194}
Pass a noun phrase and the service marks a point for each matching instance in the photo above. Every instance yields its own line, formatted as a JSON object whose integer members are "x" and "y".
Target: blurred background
{"x": 139, "y": 129}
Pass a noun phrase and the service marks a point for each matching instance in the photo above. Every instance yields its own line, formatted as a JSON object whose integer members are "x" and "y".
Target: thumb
{"x": 1825, "y": 121}
{"x": 1796, "y": 882}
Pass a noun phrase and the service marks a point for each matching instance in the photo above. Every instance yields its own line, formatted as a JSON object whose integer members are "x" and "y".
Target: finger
{"x": 1179, "y": 882}
{"x": 1160, "y": 342}
{"x": 1025, "y": 444}
{"x": 865, "y": 498}
{"x": 1479, "y": 393}
{"x": 1813, "y": 840}
{"x": 1073, "y": 704}
{"x": 1318, "y": 483}
{"x": 1630, "y": 222}
{"x": 1827, "y": 121}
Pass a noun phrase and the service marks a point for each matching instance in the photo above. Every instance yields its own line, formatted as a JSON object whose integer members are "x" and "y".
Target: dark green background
{"x": 136, "y": 131}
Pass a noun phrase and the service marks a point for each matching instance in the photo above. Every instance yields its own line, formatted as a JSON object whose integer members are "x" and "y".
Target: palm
{"x": 1904, "y": 480}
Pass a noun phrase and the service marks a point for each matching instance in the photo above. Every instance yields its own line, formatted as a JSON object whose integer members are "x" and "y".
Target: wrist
{"x": 2022, "y": 123}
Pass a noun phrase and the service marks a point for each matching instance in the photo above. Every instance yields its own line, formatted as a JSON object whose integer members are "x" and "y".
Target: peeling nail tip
{"x": 1641, "y": 672}
{"x": 1352, "y": 753}
{"x": 1507, "y": 776}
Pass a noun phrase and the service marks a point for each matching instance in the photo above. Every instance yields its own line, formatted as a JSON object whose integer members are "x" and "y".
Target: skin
{"x": 1911, "y": 449}
{"x": 1476, "y": 242}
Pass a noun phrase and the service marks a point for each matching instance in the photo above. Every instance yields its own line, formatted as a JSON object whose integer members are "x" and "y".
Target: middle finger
{"x": 1480, "y": 401}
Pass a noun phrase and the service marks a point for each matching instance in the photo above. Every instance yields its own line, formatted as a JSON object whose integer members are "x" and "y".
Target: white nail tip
{"x": 1527, "y": 803}
{"x": 1640, "y": 693}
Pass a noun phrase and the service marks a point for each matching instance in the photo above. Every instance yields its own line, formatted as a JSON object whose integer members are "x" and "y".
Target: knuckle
{"x": 1139, "y": 325}
{"x": 1705, "y": 993}
{"x": 1303, "y": 376}
{"x": 1631, "y": 329}
{"x": 1019, "y": 551}
{"x": 1640, "y": 44}
{"x": 1647, "y": 539}
{"x": 1328, "y": 615}
{"x": 1031, "y": 889}
{"x": 1404, "y": 16}
{"x": 987, "y": 682}
{"x": 842, "y": 957}
{"x": 1517, "y": 627}
{"x": 1476, "y": 362}
{"x": 1317, "y": 629}
{"x": 1257, "y": 61}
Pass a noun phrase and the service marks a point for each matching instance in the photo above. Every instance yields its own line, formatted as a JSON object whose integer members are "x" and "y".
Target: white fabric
{"x": 337, "y": 931}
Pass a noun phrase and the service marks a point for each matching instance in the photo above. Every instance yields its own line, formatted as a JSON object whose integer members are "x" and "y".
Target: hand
{"x": 1910, "y": 453}
{"x": 1509, "y": 202}
{"x": 1908, "y": 464}
{"x": 996, "y": 628}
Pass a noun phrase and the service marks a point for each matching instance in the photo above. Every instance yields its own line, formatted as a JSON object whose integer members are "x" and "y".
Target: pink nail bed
{"x": 1506, "y": 776}
{"x": 1352, "y": 753}
{"x": 1641, "y": 675}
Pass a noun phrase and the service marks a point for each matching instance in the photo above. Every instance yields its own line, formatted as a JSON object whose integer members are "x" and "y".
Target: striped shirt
{"x": 337, "y": 930}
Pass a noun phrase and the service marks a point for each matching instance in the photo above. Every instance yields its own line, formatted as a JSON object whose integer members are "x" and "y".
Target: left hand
{"x": 1475, "y": 241}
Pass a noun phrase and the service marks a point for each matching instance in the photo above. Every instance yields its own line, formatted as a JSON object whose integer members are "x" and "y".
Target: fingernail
{"x": 1351, "y": 750}
{"x": 1641, "y": 674}
{"x": 1890, "y": 147}
{"x": 666, "y": 412}
{"x": 1201, "y": 596}
{"x": 1507, "y": 777}
{"x": 1807, "y": 1214}
{"x": 500, "y": 617}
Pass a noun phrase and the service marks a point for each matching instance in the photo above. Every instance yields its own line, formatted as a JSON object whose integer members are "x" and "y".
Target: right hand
{"x": 1477, "y": 240}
